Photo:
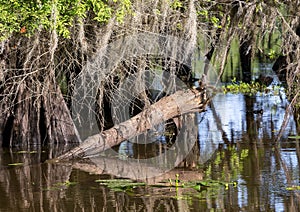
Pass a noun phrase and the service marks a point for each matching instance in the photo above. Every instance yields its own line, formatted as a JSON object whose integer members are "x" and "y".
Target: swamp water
{"x": 240, "y": 167}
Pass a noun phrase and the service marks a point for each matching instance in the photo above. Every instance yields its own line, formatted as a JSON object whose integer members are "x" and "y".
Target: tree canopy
{"x": 29, "y": 17}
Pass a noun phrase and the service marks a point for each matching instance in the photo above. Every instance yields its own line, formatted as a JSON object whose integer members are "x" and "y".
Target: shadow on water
{"x": 237, "y": 143}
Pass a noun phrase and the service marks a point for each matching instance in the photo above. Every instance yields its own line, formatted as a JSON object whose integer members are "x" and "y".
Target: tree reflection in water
{"x": 237, "y": 139}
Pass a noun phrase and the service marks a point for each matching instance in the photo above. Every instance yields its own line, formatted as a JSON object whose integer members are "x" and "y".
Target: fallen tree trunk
{"x": 181, "y": 102}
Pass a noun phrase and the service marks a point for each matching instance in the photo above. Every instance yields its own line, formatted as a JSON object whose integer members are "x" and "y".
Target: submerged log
{"x": 181, "y": 102}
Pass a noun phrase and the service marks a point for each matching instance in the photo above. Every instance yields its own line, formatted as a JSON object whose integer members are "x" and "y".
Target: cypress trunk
{"x": 33, "y": 110}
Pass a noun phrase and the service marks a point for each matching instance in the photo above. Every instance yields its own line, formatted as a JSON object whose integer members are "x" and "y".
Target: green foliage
{"x": 25, "y": 17}
{"x": 176, "y": 4}
{"x": 179, "y": 26}
{"x": 215, "y": 21}
{"x": 211, "y": 13}
{"x": 245, "y": 88}
{"x": 30, "y": 15}
{"x": 102, "y": 11}
{"x": 125, "y": 8}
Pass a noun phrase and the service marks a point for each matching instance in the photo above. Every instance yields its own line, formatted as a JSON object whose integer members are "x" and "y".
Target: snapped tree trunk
{"x": 179, "y": 103}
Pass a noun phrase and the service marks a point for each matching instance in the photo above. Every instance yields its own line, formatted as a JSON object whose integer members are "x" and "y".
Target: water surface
{"x": 237, "y": 140}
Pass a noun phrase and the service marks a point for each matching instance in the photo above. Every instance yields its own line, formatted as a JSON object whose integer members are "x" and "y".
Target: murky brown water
{"x": 237, "y": 140}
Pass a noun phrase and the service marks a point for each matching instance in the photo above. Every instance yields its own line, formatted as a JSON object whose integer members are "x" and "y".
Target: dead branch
{"x": 181, "y": 102}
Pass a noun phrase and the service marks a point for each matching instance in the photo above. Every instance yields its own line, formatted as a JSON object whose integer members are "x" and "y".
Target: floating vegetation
{"x": 26, "y": 152}
{"x": 126, "y": 184}
{"x": 22, "y": 152}
{"x": 66, "y": 183}
{"x": 202, "y": 185}
{"x": 60, "y": 185}
{"x": 294, "y": 137}
{"x": 120, "y": 184}
{"x": 293, "y": 188}
{"x": 242, "y": 87}
{"x": 15, "y": 164}
{"x": 251, "y": 88}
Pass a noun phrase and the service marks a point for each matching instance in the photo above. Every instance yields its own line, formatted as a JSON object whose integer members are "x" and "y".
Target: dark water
{"x": 238, "y": 143}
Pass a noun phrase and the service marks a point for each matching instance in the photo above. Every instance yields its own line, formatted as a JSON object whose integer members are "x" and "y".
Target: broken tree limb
{"x": 181, "y": 102}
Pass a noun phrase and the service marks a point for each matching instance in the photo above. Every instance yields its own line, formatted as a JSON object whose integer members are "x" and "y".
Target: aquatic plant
{"x": 251, "y": 88}
{"x": 120, "y": 184}
{"x": 128, "y": 185}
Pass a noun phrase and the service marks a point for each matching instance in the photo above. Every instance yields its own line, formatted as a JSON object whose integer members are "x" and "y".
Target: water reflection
{"x": 248, "y": 126}
{"x": 236, "y": 118}
{"x": 237, "y": 138}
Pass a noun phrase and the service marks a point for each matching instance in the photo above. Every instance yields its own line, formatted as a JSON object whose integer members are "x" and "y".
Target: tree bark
{"x": 32, "y": 107}
{"x": 179, "y": 103}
